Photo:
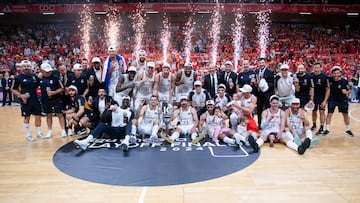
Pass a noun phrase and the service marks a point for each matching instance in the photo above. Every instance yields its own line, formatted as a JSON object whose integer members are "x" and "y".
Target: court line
{"x": 142, "y": 195}
{"x": 351, "y": 116}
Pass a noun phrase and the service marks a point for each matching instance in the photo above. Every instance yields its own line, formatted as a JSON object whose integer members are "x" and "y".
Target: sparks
{"x": 165, "y": 38}
{"x": 237, "y": 31}
{"x": 139, "y": 20}
{"x": 112, "y": 28}
{"x": 215, "y": 31}
{"x": 85, "y": 27}
{"x": 263, "y": 32}
{"x": 189, "y": 29}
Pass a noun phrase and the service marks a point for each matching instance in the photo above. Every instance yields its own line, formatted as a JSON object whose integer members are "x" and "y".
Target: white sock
{"x": 347, "y": 127}
{"x": 175, "y": 136}
{"x": 309, "y": 134}
{"x": 89, "y": 138}
{"x": 154, "y": 131}
{"x": 239, "y": 138}
{"x": 27, "y": 129}
{"x": 38, "y": 130}
{"x": 126, "y": 140}
{"x": 328, "y": 127}
{"x": 292, "y": 145}
{"x": 49, "y": 132}
{"x": 260, "y": 142}
{"x": 133, "y": 129}
{"x": 228, "y": 140}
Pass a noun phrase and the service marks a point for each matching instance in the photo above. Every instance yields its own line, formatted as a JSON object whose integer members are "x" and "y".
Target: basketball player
{"x": 125, "y": 85}
{"x": 188, "y": 122}
{"x": 184, "y": 81}
{"x": 149, "y": 119}
{"x": 298, "y": 124}
{"x": 144, "y": 85}
{"x": 165, "y": 84}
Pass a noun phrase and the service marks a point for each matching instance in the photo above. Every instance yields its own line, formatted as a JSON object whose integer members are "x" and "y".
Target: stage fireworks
{"x": 85, "y": 26}
{"x": 165, "y": 38}
{"x": 139, "y": 20}
{"x": 237, "y": 30}
{"x": 189, "y": 29}
{"x": 263, "y": 21}
{"x": 112, "y": 28}
{"x": 215, "y": 31}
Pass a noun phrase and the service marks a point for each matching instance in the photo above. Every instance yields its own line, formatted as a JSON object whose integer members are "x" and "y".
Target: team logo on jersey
{"x": 149, "y": 163}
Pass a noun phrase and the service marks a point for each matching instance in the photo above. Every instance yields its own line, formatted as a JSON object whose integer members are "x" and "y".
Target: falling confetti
{"x": 85, "y": 27}
{"x": 165, "y": 38}
{"x": 215, "y": 31}
{"x": 237, "y": 30}
{"x": 263, "y": 21}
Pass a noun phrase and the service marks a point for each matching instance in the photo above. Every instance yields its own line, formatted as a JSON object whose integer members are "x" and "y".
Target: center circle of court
{"x": 158, "y": 164}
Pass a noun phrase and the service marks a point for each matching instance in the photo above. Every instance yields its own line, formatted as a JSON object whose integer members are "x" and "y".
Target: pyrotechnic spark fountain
{"x": 263, "y": 32}
{"x": 85, "y": 26}
{"x": 237, "y": 30}
{"x": 215, "y": 31}
{"x": 189, "y": 29}
{"x": 165, "y": 38}
{"x": 112, "y": 28}
{"x": 139, "y": 20}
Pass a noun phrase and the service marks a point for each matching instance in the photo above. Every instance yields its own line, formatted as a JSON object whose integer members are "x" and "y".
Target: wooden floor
{"x": 328, "y": 173}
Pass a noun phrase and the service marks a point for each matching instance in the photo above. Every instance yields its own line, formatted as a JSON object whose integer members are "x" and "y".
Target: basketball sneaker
{"x": 304, "y": 146}
{"x": 314, "y": 142}
{"x": 48, "y": 135}
{"x": 349, "y": 133}
{"x": 253, "y": 143}
{"x": 326, "y": 132}
{"x": 198, "y": 138}
{"x": 124, "y": 146}
{"x": 30, "y": 138}
{"x": 166, "y": 138}
{"x": 83, "y": 144}
{"x": 320, "y": 132}
{"x": 41, "y": 136}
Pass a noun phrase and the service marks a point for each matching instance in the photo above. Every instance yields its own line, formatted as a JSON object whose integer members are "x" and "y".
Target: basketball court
{"x": 330, "y": 172}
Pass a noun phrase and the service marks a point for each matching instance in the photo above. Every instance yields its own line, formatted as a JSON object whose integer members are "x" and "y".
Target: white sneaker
{"x": 132, "y": 139}
{"x": 83, "y": 144}
{"x": 49, "y": 135}
{"x": 154, "y": 138}
{"x": 63, "y": 133}
{"x": 30, "y": 138}
{"x": 69, "y": 132}
{"x": 41, "y": 136}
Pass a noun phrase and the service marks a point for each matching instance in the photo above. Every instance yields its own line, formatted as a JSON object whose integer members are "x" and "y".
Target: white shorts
{"x": 145, "y": 129}
{"x": 185, "y": 129}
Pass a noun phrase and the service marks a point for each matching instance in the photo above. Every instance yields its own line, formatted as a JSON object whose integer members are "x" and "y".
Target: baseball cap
{"x": 246, "y": 88}
{"x": 77, "y": 66}
{"x": 111, "y": 48}
{"x": 295, "y": 101}
{"x": 210, "y": 102}
{"x": 263, "y": 85}
{"x": 228, "y": 63}
{"x": 335, "y": 68}
{"x": 183, "y": 97}
{"x": 25, "y": 62}
{"x": 132, "y": 68}
{"x": 284, "y": 66}
{"x": 142, "y": 52}
{"x": 46, "y": 67}
{"x": 151, "y": 64}
{"x": 73, "y": 87}
{"x": 166, "y": 65}
{"x": 222, "y": 86}
{"x": 96, "y": 59}
{"x": 198, "y": 82}
{"x": 274, "y": 97}
{"x": 126, "y": 97}
{"x": 188, "y": 64}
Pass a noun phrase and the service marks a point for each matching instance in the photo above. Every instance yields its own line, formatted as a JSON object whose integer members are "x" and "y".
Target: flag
{"x": 105, "y": 75}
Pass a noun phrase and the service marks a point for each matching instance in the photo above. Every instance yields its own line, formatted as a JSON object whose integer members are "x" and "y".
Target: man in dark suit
{"x": 228, "y": 78}
{"x": 93, "y": 75}
{"x": 211, "y": 81}
{"x": 7, "y": 82}
{"x": 100, "y": 102}
{"x": 264, "y": 82}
